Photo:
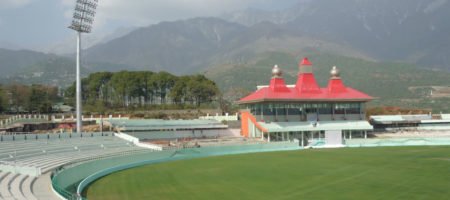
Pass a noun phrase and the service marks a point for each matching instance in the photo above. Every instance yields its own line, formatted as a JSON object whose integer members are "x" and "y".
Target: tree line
{"x": 19, "y": 98}
{"x": 143, "y": 88}
{"x": 110, "y": 90}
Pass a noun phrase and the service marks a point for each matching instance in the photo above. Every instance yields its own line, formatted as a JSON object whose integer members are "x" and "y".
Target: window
{"x": 347, "y": 108}
{"x": 281, "y": 111}
{"x": 327, "y": 111}
{"x": 268, "y": 109}
{"x": 293, "y": 111}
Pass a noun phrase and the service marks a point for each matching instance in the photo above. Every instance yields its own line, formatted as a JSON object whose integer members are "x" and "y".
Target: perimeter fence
{"x": 422, "y": 141}
{"x": 70, "y": 181}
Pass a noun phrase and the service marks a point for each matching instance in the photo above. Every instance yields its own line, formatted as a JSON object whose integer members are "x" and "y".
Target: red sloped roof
{"x": 306, "y": 83}
{"x": 306, "y": 89}
{"x": 278, "y": 85}
{"x": 265, "y": 94}
{"x": 336, "y": 86}
{"x": 306, "y": 61}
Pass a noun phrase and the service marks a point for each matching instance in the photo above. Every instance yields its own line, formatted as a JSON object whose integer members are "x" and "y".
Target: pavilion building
{"x": 305, "y": 111}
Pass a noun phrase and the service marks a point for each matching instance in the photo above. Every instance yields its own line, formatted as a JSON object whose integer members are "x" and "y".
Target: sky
{"x": 39, "y": 23}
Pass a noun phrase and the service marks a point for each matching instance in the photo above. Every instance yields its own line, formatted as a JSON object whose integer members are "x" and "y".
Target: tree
{"x": 179, "y": 92}
{"x": 97, "y": 87}
{"x": 3, "y": 99}
{"x": 119, "y": 83}
{"x": 163, "y": 82}
{"x": 145, "y": 86}
{"x": 19, "y": 97}
{"x": 201, "y": 89}
{"x": 41, "y": 98}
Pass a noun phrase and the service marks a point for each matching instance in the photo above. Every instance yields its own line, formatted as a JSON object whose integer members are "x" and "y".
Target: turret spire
{"x": 306, "y": 82}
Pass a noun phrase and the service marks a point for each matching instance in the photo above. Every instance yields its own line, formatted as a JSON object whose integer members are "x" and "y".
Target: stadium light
{"x": 83, "y": 17}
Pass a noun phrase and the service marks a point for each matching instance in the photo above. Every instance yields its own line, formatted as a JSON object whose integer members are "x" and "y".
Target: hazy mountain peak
{"x": 68, "y": 46}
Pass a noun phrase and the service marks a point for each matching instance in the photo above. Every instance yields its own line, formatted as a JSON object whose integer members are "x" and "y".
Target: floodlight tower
{"x": 83, "y": 17}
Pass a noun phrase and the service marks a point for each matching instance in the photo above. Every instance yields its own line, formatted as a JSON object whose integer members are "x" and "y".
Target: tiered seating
{"x": 158, "y": 125}
{"x": 49, "y": 154}
{"x": 16, "y": 186}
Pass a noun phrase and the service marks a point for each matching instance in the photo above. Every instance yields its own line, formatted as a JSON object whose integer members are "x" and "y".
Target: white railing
{"x": 97, "y": 118}
{"x": 220, "y": 118}
{"x": 16, "y": 118}
{"x": 136, "y": 141}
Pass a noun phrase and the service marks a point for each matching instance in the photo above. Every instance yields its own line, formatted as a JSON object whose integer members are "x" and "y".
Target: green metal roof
{"x": 435, "y": 121}
{"x": 320, "y": 126}
{"x": 157, "y": 124}
{"x": 388, "y": 119}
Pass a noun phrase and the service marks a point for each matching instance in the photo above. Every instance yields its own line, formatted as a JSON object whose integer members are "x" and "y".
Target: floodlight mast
{"x": 83, "y": 17}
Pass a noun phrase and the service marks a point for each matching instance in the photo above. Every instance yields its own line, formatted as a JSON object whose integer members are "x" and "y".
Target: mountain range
{"x": 30, "y": 67}
{"x": 414, "y": 31}
{"x": 364, "y": 34}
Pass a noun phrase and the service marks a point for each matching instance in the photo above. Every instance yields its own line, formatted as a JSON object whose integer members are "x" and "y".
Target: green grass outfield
{"x": 348, "y": 173}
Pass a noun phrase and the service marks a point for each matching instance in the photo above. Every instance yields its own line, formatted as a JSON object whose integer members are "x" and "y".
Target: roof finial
{"x": 276, "y": 72}
{"x": 305, "y": 61}
{"x": 305, "y": 66}
{"x": 335, "y": 74}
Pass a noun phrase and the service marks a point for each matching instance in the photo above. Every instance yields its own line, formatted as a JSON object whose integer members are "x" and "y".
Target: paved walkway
{"x": 42, "y": 188}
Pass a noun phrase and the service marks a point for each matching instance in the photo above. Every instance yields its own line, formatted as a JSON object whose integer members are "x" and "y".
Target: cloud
{"x": 8, "y": 4}
{"x": 144, "y": 12}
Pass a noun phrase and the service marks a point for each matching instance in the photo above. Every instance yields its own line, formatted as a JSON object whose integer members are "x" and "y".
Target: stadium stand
{"x": 392, "y": 123}
{"x": 166, "y": 125}
{"x": 23, "y": 158}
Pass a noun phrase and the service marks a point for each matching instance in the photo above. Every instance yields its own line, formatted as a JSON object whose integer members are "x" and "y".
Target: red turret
{"x": 277, "y": 83}
{"x": 306, "y": 82}
{"x": 335, "y": 85}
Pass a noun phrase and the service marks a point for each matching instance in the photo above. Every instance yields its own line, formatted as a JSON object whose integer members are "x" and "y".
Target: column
{"x": 268, "y": 137}
{"x": 303, "y": 143}
{"x": 276, "y": 114}
{"x": 365, "y": 134}
{"x": 350, "y": 133}
{"x": 286, "y": 113}
{"x": 253, "y": 130}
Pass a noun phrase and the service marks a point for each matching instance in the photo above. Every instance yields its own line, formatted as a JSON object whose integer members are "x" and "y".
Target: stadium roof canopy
{"x": 160, "y": 125}
{"x": 390, "y": 119}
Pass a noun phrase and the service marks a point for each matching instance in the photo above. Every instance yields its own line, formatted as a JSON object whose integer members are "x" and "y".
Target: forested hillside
{"x": 391, "y": 83}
